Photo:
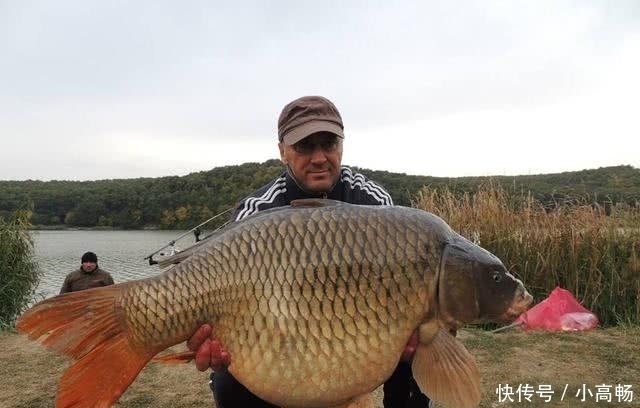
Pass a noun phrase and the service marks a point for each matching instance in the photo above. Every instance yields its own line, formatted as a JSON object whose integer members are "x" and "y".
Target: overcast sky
{"x": 123, "y": 89}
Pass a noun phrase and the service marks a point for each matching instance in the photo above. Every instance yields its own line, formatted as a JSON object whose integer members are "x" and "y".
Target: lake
{"x": 120, "y": 253}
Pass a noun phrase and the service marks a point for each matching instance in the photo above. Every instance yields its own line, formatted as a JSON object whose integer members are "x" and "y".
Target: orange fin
{"x": 446, "y": 372}
{"x": 84, "y": 326}
{"x": 100, "y": 377}
{"x": 182, "y": 357}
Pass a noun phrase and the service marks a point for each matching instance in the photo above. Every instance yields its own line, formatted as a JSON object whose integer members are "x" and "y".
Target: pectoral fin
{"x": 446, "y": 372}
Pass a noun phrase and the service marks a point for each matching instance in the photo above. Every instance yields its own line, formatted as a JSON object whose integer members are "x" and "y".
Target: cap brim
{"x": 309, "y": 128}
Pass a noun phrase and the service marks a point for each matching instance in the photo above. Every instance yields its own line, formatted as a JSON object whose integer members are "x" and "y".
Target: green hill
{"x": 183, "y": 202}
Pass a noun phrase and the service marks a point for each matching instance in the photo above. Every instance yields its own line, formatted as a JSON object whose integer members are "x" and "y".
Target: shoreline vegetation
{"x": 578, "y": 247}
{"x": 183, "y": 202}
{"x": 19, "y": 271}
{"x": 95, "y": 228}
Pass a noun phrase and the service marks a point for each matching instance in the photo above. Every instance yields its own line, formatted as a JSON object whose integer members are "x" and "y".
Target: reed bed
{"x": 575, "y": 245}
{"x": 19, "y": 273}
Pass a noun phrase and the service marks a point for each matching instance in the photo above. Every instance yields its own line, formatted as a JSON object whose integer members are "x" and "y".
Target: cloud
{"x": 170, "y": 84}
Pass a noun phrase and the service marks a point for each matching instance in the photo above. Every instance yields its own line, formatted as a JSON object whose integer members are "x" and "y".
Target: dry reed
{"x": 575, "y": 245}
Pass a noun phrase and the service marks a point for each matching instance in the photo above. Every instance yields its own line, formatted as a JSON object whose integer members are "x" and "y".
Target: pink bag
{"x": 559, "y": 311}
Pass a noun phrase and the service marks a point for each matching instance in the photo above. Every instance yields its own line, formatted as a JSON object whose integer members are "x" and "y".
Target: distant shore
{"x": 97, "y": 228}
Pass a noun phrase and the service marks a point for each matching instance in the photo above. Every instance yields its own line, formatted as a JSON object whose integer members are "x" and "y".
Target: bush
{"x": 19, "y": 272}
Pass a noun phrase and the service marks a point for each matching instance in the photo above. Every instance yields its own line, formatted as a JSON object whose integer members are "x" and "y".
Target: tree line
{"x": 183, "y": 202}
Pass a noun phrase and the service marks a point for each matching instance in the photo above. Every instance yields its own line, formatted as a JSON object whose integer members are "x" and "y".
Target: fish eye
{"x": 497, "y": 277}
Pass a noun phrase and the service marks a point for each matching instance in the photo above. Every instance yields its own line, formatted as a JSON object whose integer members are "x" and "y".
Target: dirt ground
{"x": 568, "y": 369}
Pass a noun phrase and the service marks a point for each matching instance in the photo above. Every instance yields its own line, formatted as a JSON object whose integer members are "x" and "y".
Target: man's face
{"x": 314, "y": 161}
{"x": 89, "y": 266}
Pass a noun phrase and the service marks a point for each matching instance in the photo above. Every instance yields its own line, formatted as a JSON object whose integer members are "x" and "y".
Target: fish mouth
{"x": 520, "y": 304}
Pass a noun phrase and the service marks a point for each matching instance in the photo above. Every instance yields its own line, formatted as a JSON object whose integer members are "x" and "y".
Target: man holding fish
{"x": 315, "y": 301}
{"x": 310, "y": 141}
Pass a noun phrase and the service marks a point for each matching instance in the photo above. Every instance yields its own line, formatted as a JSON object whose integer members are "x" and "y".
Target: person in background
{"x": 89, "y": 275}
{"x": 310, "y": 142}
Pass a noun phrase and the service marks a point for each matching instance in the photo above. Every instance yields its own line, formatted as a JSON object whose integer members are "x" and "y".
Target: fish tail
{"x": 86, "y": 327}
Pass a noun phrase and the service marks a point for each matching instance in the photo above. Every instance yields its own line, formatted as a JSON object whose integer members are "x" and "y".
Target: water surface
{"x": 120, "y": 253}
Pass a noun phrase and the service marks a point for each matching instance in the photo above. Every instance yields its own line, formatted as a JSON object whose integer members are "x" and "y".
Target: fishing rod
{"x": 196, "y": 232}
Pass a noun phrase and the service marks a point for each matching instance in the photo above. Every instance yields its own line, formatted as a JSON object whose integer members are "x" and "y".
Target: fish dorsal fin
{"x": 446, "y": 372}
{"x": 314, "y": 202}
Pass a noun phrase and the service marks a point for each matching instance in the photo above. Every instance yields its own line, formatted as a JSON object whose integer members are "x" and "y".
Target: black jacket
{"x": 351, "y": 187}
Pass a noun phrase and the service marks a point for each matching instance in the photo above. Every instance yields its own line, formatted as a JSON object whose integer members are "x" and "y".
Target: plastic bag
{"x": 560, "y": 311}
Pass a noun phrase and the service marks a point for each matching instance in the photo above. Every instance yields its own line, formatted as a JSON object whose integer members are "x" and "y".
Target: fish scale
{"x": 357, "y": 281}
{"x": 315, "y": 303}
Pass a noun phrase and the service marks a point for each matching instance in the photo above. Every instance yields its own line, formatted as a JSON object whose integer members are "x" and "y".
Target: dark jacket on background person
{"x": 81, "y": 280}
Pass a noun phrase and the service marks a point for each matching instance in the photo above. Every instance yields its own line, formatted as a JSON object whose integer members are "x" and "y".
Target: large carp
{"x": 315, "y": 303}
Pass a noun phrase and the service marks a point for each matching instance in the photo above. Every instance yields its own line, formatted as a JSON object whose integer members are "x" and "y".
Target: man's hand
{"x": 410, "y": 348}
{"x": 209, "y": 353}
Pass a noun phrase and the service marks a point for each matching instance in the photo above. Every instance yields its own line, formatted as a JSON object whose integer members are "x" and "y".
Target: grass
{"x": 29, "y": 373}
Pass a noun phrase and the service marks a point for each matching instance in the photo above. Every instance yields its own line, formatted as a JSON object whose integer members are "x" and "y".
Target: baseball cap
{"x": 308, "y": 115}
{"x": 89, "y": 257}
